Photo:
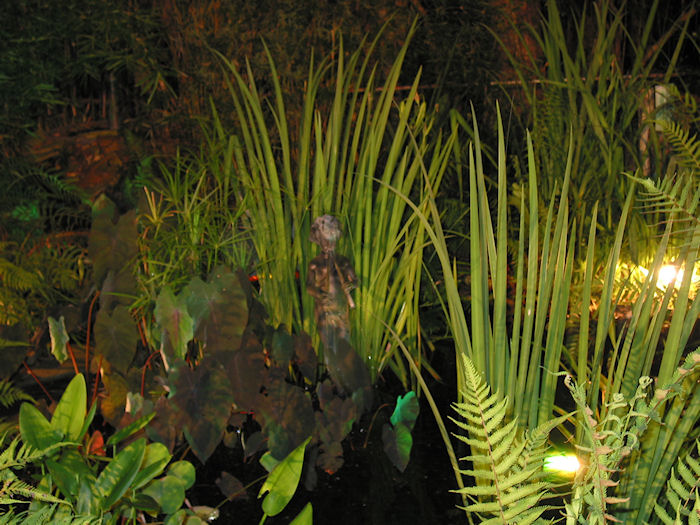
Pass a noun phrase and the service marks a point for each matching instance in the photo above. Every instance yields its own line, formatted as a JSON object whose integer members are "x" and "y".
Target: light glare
{"x": 667, "y": 273}
{"x": 562, "y": 463}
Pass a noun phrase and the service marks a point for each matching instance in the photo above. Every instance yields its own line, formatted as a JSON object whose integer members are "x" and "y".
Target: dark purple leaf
{"x": 306, "y": 358}
{"x": 247, "y": 373}
{"x": 223, "y": 328}
{"x": 397, "y": 444}
{"x": 231, "y": 487}
{"x": 111, "y": 246}
{"x": 116, "y": 336}
{"x": 331, "y": 457}
{"x": 288, "y": 417}
{"x": 203, "y": 397}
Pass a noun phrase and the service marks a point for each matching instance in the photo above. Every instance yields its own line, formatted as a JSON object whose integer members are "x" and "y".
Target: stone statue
{"x": 330, "y": 281}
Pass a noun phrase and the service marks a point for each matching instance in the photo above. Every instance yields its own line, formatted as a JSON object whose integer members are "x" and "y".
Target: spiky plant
{"x": 348, "y": 155}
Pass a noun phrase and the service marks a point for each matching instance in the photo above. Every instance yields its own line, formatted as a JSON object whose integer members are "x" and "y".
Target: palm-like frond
{"x": 509, "y": 490}
{"x": 682, "y": 492}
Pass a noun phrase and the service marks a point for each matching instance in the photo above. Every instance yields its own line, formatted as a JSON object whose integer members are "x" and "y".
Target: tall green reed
{"x": 522, "y": 358}
{"x": 346, "y": 155}
{"x": 595, "y": 83}
{"x": 521, "y": 348}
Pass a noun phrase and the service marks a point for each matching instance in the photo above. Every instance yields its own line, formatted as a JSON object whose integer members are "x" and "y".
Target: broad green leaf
{"x": 130, "y": 429}
{"x": 69, "y": 415}
{"x": 68, "y": 472}
{"x": 154, "y": 462}
{"x": 120, "y": 473}
{"x": 35, "y": 428}
{"x": 305, "y": 517}
{"x": 282, "y": 482}
{"x": 168, "y": 492}
{"x": 88, "y": 419}
{"x": 268, "y": 461}
{"x": 88, "y": 498}
{"x": 59, "y": 338}
{"x": 406, "y": 410}
{"x": 116, "y": 336}
{"x": 184, "y": 471}
{"x": 171, "y": 314}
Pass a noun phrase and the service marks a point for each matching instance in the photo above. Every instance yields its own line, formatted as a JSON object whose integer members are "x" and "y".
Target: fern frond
{"x": 685, "y": 146}
{"x": 606, "y": 444}
{"x": 17, "y": 278}
{"x": 16, "y": 456}
{"x": 47, "y": 515}
{"x": 508, "y": 489}
{"x": 681, "y": 491}
{"x": 11, "y": 394}
{"x": 11, "y": 487}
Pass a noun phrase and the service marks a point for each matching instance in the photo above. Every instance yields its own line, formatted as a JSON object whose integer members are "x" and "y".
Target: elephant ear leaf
{"x": 111, "y": 243}
{"x": 59, "y": 338}
{"x": 203, "y": 398}
{"x": 406, "y": 410}
{"x": 397, "y": 436}
{"x": 220, "y": 310}
{"x": 116, "y": 337}
{"x": 397, "y": 444}
{"x": 282, "y": 482}
{"x": 172, "y": 315}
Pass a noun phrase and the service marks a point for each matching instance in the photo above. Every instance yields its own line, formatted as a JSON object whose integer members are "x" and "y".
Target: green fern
{"x": 49, "y": 515}
{"x": 18, "y": 457}
{"x": 681, "y": 491}
{"x": 685, "y": 147}
{"x": 11, "y": 394}
{"x": 677, "y": 194}
{"x": 15, "y": 276}
{"x": 507, "y": 468}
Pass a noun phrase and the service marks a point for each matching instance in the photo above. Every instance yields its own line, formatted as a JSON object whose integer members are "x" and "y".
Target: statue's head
{"x": 325, "y": 231}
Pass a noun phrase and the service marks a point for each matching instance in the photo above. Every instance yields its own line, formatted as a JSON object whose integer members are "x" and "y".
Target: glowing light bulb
{"x": 667, "y": 273}
{"x": 562, "y": 463}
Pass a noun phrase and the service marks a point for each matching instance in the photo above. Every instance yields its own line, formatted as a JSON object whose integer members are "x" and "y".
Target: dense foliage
{"x": 163, "y": 162}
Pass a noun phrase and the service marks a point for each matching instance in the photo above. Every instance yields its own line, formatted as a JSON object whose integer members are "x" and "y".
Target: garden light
{"x": 668, "y": 273}
{"x": 562, "y": 463}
